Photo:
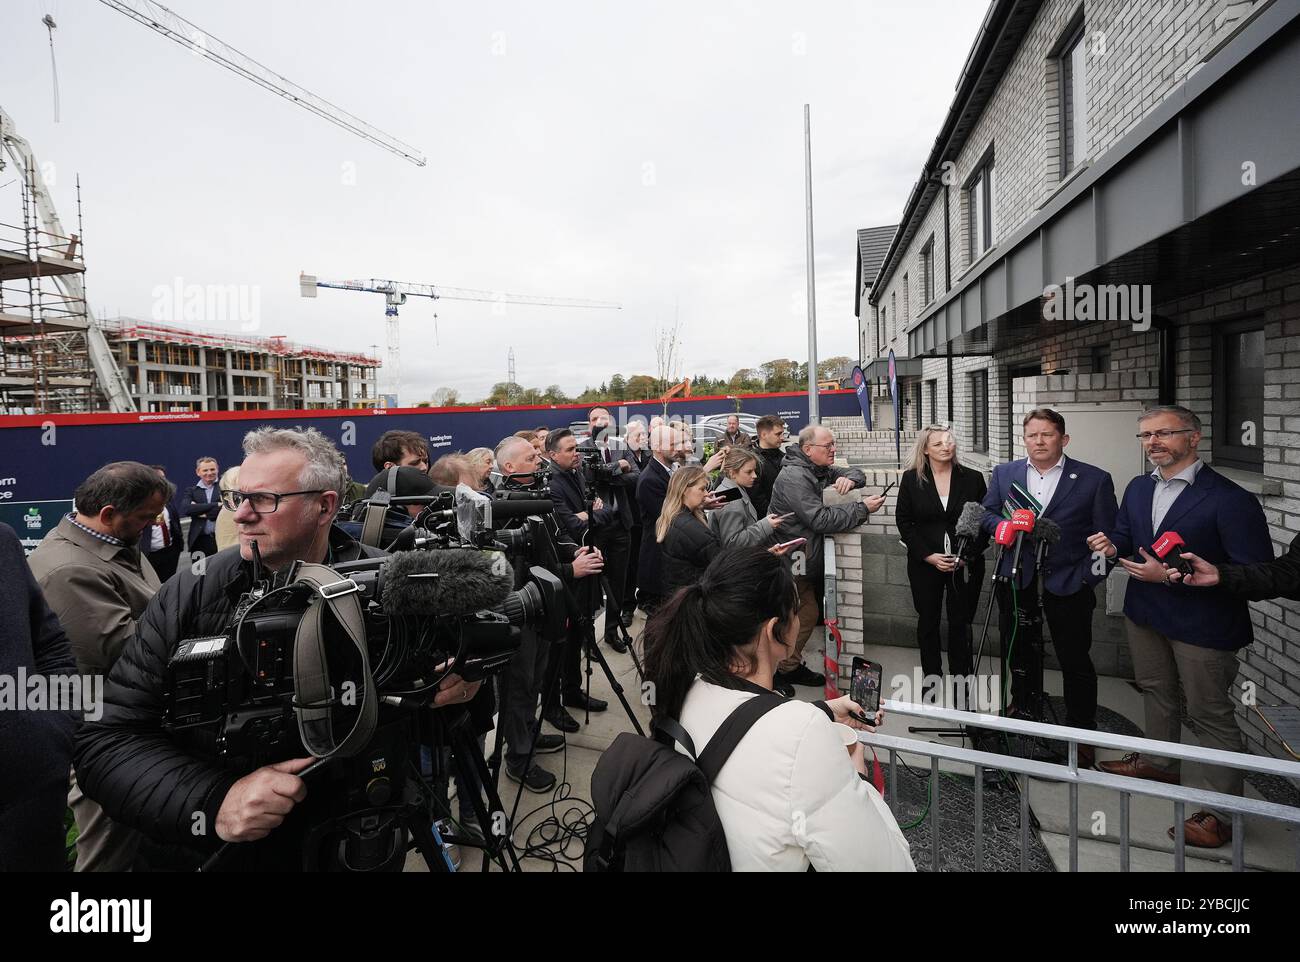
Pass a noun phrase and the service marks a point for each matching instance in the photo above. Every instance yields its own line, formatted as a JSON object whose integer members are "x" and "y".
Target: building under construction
{"x": 171, "y": 368}
{"x": 55, "y": 358}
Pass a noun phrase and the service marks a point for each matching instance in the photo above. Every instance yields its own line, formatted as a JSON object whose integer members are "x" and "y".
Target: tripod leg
{"x": 615, "y": 687}
{"x": 549, "y": 690}
{"x": 473, "y": 770}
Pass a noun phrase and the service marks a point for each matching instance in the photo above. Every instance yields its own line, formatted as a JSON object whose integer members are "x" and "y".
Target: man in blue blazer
{"x": 1080, "y": 499}
{"x": 1181, "y": 637}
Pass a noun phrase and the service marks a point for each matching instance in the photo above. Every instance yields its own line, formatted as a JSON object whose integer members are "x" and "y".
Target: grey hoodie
{"x": 737, "y": 524}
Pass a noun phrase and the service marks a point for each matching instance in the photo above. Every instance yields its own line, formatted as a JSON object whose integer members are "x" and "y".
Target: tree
{"x": 500, "y": 394}
{"x": 745, "y": 381}
{"x": 554, "y": 395}
{"x": 779, "y": 375}
{"x": 834, "y": 368}
{"x": 641, "y": 387}
{"x": 668, "y": 358}
{"x": 446, "y": 397}
{"x": 617, "y": 388}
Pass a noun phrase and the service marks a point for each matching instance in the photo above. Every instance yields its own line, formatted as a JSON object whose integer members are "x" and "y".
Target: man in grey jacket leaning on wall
{"x": 806, "y": 472}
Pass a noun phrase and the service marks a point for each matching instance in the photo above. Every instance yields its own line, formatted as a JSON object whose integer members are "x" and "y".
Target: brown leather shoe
{"x": 1135, "y": 766}
{"x": 1204, "y": 830}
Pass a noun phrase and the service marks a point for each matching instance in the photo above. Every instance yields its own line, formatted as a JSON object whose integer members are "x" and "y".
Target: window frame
{"x": 1227, "y": 454}
{"x": 981, "y": 185}
{"x": 979, "y": 433}
{"x": 1070, "y": 121}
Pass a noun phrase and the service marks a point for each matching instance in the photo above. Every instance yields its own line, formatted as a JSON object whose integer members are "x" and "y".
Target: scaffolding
{"x": 45, "y": 365}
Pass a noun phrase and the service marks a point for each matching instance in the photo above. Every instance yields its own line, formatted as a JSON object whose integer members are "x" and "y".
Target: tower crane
{"x": 396, "y": 292}
{"x": 175, "y": 27}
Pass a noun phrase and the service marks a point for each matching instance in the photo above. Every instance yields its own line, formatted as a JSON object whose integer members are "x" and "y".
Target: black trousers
{"x": 206, "y": 543}
{"x": 613, "y": 543}
{"x": 164, "y": 560}
{"x": 1069, "y": 619}
{"x": 633, "y": 562}
{"x": 518, "y": 687}
{"x": 929, "y": 587}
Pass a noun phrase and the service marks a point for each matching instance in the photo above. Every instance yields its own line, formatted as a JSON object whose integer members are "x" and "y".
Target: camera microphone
{"x": 455, "y": 581}
{"x": 1048, "y": 533}
{"x": 1022, "y": 523}
{"x": 968, "y": 528}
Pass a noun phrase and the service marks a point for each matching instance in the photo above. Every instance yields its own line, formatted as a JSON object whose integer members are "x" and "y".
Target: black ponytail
{"x": 700, "y": 628}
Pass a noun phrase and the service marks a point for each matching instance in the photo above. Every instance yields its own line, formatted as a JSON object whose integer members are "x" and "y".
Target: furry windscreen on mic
{"x": 968, "y": 525}
{"x": 1047, "y": 531}
{"x": 467, "y": 581}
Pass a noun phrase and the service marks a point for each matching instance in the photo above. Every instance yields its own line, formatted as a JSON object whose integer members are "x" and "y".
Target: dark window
{"x": 916, "y": 405}
{"x": 907, "y": 301}
{"x": 927, "y": 271}
{"x": 933, "y": 388}
{"x": 979, "y": 411}
{"x": 1239, "y": 395}
{"x": 1074, "y": 100}
{"x": 884, "y": 329}
{"x": 981, "y": 195}
{"x": 1101, "y": 359}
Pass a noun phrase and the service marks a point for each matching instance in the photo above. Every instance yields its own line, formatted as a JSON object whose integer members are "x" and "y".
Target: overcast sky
{"x": 650, "y": 154}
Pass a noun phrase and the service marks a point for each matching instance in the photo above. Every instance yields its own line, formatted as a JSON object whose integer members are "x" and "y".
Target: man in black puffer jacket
{"x": 175, "y": 787}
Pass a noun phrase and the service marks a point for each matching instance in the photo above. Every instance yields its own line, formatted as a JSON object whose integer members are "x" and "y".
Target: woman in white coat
{"x": 790, "y": 795}
{"x": 736, "y": 523}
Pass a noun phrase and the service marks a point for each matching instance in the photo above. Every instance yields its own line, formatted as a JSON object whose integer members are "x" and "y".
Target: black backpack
{"x": 654, "y": 809}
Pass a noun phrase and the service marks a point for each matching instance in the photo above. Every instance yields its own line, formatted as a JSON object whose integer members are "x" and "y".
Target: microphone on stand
{"x": 1022, "y": 523}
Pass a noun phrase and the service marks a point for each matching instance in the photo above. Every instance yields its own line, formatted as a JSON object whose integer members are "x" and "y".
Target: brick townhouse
{"x": 1147, "y": 150}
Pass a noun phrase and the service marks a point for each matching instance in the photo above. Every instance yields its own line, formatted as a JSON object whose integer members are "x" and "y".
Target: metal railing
{"x": 1070, "y": 774}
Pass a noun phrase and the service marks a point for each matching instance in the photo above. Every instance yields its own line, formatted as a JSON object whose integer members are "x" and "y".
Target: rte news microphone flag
{"x": 864, "y": 395}
{"x": 898, "y": 411}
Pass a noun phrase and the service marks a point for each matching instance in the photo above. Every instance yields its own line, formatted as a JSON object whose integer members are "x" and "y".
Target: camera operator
{"x": 173, "y": 785}
{"x": 611, "y": 469}
{"x": 521, "y": 682}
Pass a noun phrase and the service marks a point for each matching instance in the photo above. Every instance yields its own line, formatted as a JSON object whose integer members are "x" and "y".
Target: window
{"x": 981, "y": 193}
{"x": 1074, "y": 100}
{"x": 893, "y": 309}
{"x": 1101, "y": 359}
{"x": 932, "y": 387}
{"x": 979, "y": 411}
{"x": 927, "y": 271}
{"x": 907, "y": 302}
{"x": 884, "y": 326}
{"x": 1239, "y": 395}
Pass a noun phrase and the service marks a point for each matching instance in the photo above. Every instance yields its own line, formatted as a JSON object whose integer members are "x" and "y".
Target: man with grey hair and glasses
{"x": 1179, "y": 637}
{"x": 98, "y": 584}
{"x": 171, "y": 784}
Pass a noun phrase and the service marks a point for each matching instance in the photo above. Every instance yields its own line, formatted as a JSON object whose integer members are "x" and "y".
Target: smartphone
{"x": 727, "y": 495}
{"x": 864, "y": 685}
{"x": 887, "y": 489}
{"x": 793, "y": 544}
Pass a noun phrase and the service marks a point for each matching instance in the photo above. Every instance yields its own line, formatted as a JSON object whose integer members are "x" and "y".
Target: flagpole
{"x": 813, "y": 413}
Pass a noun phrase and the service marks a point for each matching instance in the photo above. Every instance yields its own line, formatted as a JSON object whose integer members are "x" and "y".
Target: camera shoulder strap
{"x": 372, "y": 528}
{"x": 313, "y": 693}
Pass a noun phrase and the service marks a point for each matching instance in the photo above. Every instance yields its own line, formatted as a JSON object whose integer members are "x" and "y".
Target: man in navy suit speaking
{"x": 1181, "y": 637}
{"x": 1080, "y": 499}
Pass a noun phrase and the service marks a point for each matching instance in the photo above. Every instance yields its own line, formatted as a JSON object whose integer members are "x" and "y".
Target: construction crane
{"x": 396, "y": 292}
{"x": 110, "y": 378}
{"x": 175, "y": 27}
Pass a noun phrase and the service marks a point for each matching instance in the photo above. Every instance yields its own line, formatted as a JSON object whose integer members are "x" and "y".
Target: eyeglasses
{"x": 1164, "y": 434}
{"x": 828, "y": 445}
{"x": 263, "y": 502}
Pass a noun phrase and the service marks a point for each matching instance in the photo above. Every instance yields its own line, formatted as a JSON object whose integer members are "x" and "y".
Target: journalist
{"x": 736, "y": 523}
{"x": 400, "y": 449}
{"x": 651, "y": 488}
{"x": 807, "y": 470}
{"x": 98, "y": 585}
{"x": 615, "y": 476}
{"x": 789, "y": 797}
{"x": 173, "y": 785}
{"x": 1261, "y": 581}
{"x": 771, "y": 435}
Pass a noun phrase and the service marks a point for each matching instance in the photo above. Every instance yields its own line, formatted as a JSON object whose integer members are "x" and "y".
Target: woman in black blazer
{"x": 930, "y": 500}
